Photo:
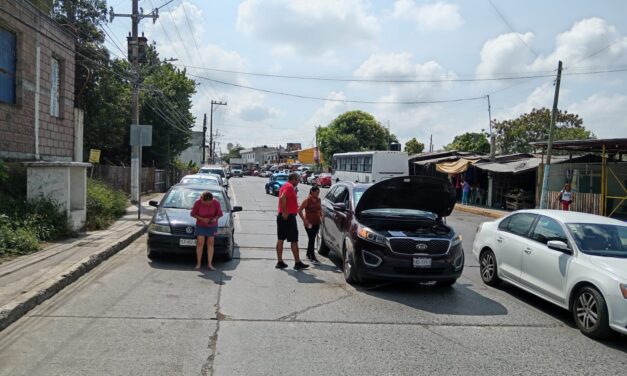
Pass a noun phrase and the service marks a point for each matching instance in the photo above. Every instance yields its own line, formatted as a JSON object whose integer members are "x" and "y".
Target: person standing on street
{"x": 206, "y": 210}
{"x": 312, "y": 219}
{"x": 287, "y": 228}
{"x": 465, "y": 192}
{"x": 566, "y": 197}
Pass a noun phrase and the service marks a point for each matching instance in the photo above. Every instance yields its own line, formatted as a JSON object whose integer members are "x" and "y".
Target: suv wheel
{"x": 488, "y": 268}
{"x": 590, "y": 313}
{"x": 350, "y": 273}
{"x": 323, "y": 248}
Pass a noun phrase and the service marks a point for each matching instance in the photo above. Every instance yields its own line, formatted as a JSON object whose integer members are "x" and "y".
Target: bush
{"x": 104, "y": 205}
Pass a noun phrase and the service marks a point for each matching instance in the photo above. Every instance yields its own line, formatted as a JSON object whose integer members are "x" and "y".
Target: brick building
{"x": 37, "y": 116}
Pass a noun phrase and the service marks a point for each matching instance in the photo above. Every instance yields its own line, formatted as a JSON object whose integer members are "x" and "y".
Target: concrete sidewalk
{"x": 486, "y": 212}
{"x": 31, "y": 279}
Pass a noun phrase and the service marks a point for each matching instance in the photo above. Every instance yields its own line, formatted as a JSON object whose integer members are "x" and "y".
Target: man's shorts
{"x": 287, "y": 229}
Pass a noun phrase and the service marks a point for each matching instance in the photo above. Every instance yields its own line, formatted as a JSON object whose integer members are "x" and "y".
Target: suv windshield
{"x": 600, "y": 239}
{"x": 184, "y": 198}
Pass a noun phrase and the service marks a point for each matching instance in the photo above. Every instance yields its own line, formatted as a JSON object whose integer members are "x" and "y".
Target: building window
{"x": 7, "y": 66}
{"x": 54, "y": 88}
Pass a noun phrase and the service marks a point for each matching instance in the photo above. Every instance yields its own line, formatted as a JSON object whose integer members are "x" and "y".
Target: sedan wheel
{"x": 488, "y": 268}
{"x": 590, "y": 313}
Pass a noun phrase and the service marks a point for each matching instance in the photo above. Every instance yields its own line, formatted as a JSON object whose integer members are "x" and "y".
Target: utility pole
{"x": 211, "y": 127}
{"x": 547, "y": 167}
{"x": 204, "y": 139}
{"x": 137, "y": 54}
{"x": 431, "y": 142}
{"x": 492, "y": 140}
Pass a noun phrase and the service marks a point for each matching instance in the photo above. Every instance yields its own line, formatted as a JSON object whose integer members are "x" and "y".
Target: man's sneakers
{"x": 312, "y": 257}
{"x": 300, "y": 266}
{"x": 280, "y": 265}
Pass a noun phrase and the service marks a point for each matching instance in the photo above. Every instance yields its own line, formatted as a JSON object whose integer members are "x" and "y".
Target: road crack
{"x": 207, "y": 368}
{"x": 294, "y": 315}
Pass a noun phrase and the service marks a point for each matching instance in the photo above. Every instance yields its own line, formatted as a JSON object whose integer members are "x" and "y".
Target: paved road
{"x": 131, "y": 316}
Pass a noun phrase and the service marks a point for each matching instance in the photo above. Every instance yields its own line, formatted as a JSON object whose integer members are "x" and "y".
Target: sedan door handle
{"x": 499, "y": 239}
{"x": 527, "y": 250}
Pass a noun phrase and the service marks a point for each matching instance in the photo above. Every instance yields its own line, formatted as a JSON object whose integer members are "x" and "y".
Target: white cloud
{"x": 589, "y": 42}
{"x": 307, "y": 27}
{"x": 603, "y": 114}
{"x": 401, "y": 66}
{"x": 541, "y": 96}
{"x": 436, "y": 16}
{"x": 330, "y": 110}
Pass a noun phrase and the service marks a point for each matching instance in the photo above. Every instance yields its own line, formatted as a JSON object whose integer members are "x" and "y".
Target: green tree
{"x": 514, "y": 136}
{"x": 470, "y": 141}
{"x": 413, "y": 146}
{"x": 352, "y": 131}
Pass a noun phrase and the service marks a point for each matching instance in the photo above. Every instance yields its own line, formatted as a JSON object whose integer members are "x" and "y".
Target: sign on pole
{"x": 143, "y": 131}
{"x": 94, "y": 155}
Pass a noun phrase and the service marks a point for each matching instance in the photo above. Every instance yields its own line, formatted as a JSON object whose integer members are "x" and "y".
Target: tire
{"x": 488, "y": 268}
{"x": 587, "y": 303}
{"x": 229, "y": 255}
{"x": 152, "y": 255}
{"x": 323, "y": 248}
{"x": 348, "y": 269}
{"x": 267, "y": 191}
{"x": 446, "y": 283}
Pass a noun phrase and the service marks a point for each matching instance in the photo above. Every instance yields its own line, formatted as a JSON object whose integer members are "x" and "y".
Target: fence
{"x": 153, "y": 180}
{"x": 584, "y": 202}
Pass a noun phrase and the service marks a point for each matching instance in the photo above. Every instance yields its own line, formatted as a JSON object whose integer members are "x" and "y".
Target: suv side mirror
{"x": 559, "y": 245}
{"x": 340, "y": 206}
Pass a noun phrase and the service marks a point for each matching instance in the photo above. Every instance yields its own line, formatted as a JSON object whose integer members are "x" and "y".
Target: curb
{"x": 14, "y": 310}
{"x": 479, "y": 211}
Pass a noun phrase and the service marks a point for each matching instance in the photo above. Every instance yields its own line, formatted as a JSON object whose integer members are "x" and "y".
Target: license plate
{"x": 422, "y": 262}
{"x": 187, "y": 242}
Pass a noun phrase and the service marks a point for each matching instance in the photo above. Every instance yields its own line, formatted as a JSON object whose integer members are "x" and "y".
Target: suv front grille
{"x": 410, "y": 246}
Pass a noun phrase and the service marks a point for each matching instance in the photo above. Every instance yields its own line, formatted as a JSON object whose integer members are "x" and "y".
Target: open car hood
{"x": 426, "y": 193}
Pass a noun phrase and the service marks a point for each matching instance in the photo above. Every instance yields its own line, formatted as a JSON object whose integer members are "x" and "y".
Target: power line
{"x": 512, "y": 29}
{"x": 334, "y": 99}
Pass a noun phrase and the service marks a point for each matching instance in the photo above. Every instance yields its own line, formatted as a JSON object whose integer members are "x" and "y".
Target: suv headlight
{"x": 224, "y": 231}
{"x": 159, "y": 227}
{"x": 368, "y": 234}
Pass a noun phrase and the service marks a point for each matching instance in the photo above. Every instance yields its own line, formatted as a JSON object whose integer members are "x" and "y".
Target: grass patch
{"x": 104, "y": 205}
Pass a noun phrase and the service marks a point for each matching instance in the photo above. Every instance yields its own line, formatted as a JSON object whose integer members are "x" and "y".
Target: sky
{"x": 422, "y": 68}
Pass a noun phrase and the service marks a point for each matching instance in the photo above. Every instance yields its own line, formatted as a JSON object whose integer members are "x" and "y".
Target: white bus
{"x": 369, "y": 166}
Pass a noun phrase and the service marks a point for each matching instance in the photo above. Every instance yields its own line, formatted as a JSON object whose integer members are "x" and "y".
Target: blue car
{"x": 275, "y": 183}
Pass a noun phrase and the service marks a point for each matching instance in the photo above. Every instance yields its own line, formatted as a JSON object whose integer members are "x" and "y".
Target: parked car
{"x": 275, "y": 183}
{"x": 304, "y": 176}
{"x": 575, "y": 260}
{"x": 324, "y": 180}
{"x": 201, "y": 179}
{"x": 393, "y": 230}
{"x": 237, "y": 172}
{"x": 172, "y": 228}
{"x": 216, "y": 170}
{"x": 265, "y": 174}
{"x": 311, "y": 180}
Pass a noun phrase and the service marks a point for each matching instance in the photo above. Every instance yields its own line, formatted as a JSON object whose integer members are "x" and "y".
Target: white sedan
{"x": 577, "y": 261}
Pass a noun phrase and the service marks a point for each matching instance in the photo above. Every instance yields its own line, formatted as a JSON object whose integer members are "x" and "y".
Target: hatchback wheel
{"x": 488, "y": 268}
{"x": 228, "y": 256}
{"x": 590, "y": 313}
{"x": 350, "y": 273}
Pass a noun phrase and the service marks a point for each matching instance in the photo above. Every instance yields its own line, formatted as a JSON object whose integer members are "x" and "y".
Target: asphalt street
{"x": 133, "y": 316}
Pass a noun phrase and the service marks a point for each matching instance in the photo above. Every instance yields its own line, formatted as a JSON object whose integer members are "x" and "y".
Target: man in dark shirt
{"x": 287, "y": 227}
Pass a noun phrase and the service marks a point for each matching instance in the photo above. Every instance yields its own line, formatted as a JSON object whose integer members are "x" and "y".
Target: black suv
{"x": 393, "y": 230}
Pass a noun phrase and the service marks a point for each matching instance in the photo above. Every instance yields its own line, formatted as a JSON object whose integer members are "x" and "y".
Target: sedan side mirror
{"x": 559, "y": 245}
{"x": 153, "y": 203}
{"x": 236, "y": 209}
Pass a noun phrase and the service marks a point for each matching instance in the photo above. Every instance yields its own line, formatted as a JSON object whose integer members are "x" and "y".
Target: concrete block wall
{"x": 17, "y": 121}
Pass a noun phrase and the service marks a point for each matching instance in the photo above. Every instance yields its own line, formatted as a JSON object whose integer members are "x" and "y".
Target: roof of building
{"x": 592, "y": 145}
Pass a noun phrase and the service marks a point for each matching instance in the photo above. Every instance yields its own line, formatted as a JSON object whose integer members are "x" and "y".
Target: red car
{"x": 324, "y": 180}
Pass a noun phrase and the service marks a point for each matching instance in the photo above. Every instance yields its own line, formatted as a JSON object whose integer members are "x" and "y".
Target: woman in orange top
{"x": 312, "y": 219}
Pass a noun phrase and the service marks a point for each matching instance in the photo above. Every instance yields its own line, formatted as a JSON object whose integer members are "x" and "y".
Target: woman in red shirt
{"x": 206, "y": 210}
{"x": 312, "y": 219}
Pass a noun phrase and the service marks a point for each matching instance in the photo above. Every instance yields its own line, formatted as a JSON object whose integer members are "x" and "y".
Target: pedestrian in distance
{"x": 566, "y": 197}
{"x": 206, "y": 210}
{"x": 312, "y": 219}
{"x": 465, "y": 192}
{"x": 287, "y": 228}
